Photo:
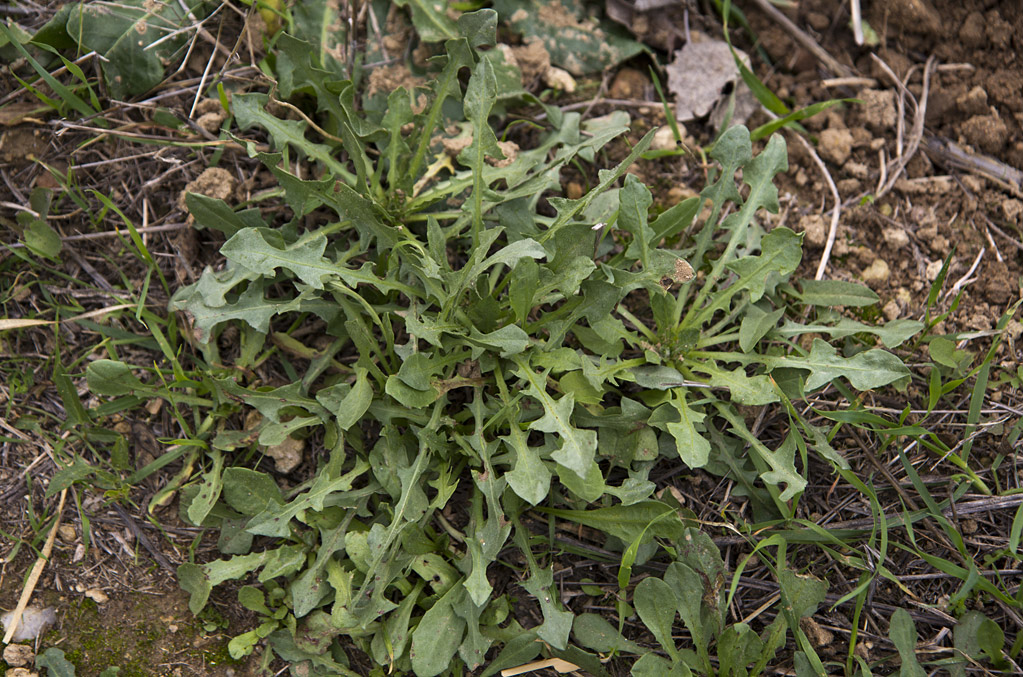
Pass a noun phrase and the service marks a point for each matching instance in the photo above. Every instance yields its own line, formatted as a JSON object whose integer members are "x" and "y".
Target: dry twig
{"x": 917, "y": 132}
{"x": 36, "y": 573}
{"x": 830, "y": 62}
{"x": 836, "y": 211}
{"x": 952, "y": 155}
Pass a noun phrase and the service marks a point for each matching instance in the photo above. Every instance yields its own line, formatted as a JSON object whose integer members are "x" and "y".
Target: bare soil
{"x": 974, "y": 99}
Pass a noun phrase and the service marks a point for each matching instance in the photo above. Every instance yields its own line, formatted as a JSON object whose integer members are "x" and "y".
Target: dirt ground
{"x": 974, "y": 100}
{"x": 926, "y": 165}
{"x": 960, "y": 183}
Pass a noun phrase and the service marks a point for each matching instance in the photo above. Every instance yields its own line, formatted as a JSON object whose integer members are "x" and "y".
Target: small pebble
{"x": 559, "y": 79}
{"x": 97, "y": 596}
{"x": 836, "y": 145}
{"x": 629, "y": 83}
{"x": 664, "y": 139}
{"x": 877, "y": 272}
{"x": 896, "y": 237}
{"x": 815, "y": 228}
{"x": 17, "y": 655}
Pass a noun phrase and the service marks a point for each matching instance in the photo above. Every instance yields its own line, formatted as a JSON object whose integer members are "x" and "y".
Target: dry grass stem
{"x": 36, "y": 573}
{"x": 800, "y": 36}
{"x": 917, "y": 131}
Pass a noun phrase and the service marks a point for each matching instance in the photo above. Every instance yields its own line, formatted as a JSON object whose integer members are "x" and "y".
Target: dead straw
{"x": 36, "y": 573}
